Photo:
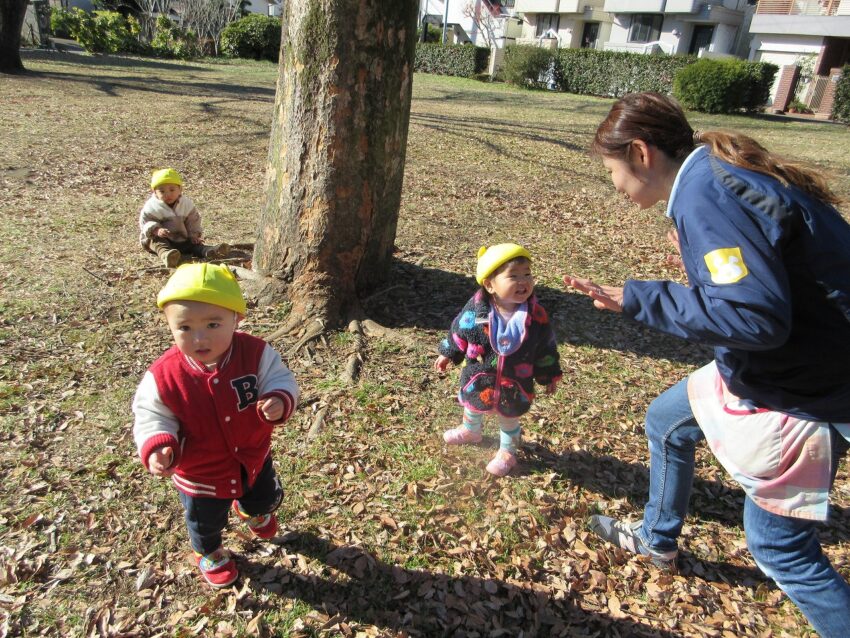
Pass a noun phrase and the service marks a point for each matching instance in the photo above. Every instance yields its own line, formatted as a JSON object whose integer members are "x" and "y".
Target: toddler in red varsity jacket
{"x": 205, "y": 411}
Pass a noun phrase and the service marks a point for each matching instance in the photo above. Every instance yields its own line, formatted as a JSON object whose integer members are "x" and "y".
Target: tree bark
{"x": 12, "y": 14}
{"x": 337, "y": 151}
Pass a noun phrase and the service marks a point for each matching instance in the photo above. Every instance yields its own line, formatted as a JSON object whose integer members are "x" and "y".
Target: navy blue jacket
{"x": 769, "y": 287}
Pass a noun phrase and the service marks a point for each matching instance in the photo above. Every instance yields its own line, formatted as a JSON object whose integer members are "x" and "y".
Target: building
{"x": 486, "y": 23}
{"x": 564, "y": 23}
{"x": 808, "y": 40}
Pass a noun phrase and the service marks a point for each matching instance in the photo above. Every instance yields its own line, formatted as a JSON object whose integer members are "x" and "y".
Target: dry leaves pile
{"x": 386, "y": 532}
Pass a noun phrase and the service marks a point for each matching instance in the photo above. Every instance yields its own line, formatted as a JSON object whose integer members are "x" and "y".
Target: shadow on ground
{"x": 429, "y": 298}
{"x": 365, "y": 590}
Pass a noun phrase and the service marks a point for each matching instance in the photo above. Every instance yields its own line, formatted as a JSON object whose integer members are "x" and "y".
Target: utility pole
{"x": 445, "y": 19}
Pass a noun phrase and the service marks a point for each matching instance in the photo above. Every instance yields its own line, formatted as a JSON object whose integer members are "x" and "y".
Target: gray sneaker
{"x": 217, "y": 252}
{"x": 625, "y": 536}
{"x": 171, "y": 258}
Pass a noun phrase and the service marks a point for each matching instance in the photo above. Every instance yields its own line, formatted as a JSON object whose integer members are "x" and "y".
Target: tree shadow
{"x": 361, "y": 588}
{"x": 85, "y": 59}
{"x": 111, "y": 85}
{"x": 429, "y": 298}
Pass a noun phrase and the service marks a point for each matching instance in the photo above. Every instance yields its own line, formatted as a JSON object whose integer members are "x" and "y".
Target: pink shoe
{"x": 461, "y": 436}
{"x": 502, "y": 463}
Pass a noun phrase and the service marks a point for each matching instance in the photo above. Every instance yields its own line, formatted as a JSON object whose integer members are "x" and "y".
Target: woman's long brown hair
{"x": 659, "y": 120}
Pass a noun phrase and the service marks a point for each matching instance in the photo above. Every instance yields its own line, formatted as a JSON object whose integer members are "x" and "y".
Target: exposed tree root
{"x": 355, "y": 359}
{"x": 314, "y": 330}
{"x": 374, "y": 329}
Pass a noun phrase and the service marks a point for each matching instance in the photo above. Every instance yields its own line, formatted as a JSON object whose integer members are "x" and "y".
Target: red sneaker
{"x": 218, "y": 568}
{"x": 262, "y": 526}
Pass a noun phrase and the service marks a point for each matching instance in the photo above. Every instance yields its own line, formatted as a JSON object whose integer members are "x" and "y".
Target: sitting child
{"x": 171, "y": 225}
{"x": 505, "y": 341}
{"x": 205, "y": 411}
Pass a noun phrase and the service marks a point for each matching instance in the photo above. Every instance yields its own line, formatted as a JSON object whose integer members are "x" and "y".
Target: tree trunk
{"x": 337, "y": 150}
{"x": 12, "y": 14}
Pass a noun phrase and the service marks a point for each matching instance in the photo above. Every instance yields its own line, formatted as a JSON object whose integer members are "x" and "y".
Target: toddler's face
{"x": 168, "y": 193}
{"x": 512, "y": 285}
{"x": 201, "y": 330}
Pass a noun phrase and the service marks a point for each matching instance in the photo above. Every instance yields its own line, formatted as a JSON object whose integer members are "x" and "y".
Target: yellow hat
{"x": 209, "y": 283}
{"x": 489, "y": 259}
{"x": 165, "y": 176}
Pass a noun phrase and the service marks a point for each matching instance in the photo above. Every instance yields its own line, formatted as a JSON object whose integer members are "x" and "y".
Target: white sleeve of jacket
{"x": 149, "y": 219}
{"x": 153, "y": 417}
{"x": 274, "y": 377}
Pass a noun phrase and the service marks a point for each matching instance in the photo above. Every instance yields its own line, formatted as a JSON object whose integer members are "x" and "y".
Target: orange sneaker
{"x": 262, "y": 526}
{"x": 218, "y": 568}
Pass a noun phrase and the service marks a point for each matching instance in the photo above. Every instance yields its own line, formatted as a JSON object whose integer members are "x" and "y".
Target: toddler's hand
{"x": 196, "y": 239}
{"x": 271, "y": 408}
{"x": 159, "y": 462}
{"x": 550, "y": 389}
{"x": 442, "y": 363}
{"x": 163, "y": 232}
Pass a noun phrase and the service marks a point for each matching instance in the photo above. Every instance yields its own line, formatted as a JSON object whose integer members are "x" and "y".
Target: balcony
{"x": 684, "y": 6}
{"x": 537, "y": 6}
{"x": 634, "y": 6}
{"x": 828, "y": 18}
{"x": 803, "y": 7}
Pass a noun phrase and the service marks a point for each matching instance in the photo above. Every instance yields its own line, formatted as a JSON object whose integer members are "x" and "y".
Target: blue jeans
{"x": 206, "y": 517}
{"x": 786, "y": 549}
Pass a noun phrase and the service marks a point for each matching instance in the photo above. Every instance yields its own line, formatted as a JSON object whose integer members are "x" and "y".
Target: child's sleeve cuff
{"x": 156, "y": 442}
{"x": 288, "y": 406}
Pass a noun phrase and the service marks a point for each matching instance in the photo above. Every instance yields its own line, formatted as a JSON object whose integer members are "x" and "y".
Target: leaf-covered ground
{"x": 387, "y": 532}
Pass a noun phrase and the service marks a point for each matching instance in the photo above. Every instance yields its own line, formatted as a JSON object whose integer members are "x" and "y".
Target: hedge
{"x": 529, "y": 67}
{"x": 841, "y": 106}
{"x": 463, "y": 60}
{"x": 724, "y": 85}
{"x": 255, "y": 37}
{"x": 615, "y": 73}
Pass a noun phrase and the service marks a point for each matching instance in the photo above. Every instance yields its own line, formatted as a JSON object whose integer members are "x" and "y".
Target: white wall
{"x": 782, "y": 50}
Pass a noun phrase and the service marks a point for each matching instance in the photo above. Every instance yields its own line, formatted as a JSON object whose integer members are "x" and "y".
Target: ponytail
{"x": 741, "y": 150}
{"x": 659, "y": 121}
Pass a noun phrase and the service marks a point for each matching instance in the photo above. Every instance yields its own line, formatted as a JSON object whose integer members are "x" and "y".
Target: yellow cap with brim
{"x": 489, "y": 259}
{"x": 209, "y": 283}
{"x": 165, "y": 176}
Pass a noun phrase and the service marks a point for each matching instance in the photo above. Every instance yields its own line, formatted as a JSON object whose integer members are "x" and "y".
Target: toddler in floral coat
{"x": 505, "y": 341}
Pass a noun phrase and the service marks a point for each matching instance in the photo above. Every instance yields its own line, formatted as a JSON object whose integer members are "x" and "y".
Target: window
{"x": 646, "y": 27}
{"x": 547, "y": 22}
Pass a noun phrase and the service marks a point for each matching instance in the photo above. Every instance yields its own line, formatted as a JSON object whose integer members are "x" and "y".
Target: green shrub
{"x": 761, "y": 80}
{"x": 61, "y": 22}
{"x": 463, "y": 60}
{"x": 170, "y": 41}
{"x": 529, "y": 66}
{"x": 841, "y": 106}
{"x": 104, "y": 31}
{"x": 615, "y": 73}
{"x": 432, "y": 34}
{"x": 254, "y": 36}
{"x": 723, "y": 86}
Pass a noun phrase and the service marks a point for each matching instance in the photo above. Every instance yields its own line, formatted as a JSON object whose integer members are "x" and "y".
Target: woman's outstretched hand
{"x": 675, "y": 260}
{"x": 604, "y": 297}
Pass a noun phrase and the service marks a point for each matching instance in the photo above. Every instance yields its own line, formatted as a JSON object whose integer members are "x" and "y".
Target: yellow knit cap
{"x": 489, "y": 259}
{"x": 165, "y": 176}
{"x": 209, "y": 283}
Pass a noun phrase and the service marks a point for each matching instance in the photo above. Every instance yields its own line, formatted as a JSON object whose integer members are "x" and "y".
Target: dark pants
{"x": 206, "y": 517}
{"x": 160, "y": 246}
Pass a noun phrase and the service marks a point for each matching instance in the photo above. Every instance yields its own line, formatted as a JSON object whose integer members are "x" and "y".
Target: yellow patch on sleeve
{"x": 726, "y": 265}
